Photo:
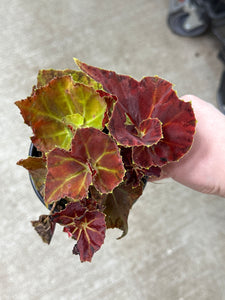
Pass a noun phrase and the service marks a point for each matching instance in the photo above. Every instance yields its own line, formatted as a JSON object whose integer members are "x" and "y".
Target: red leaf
{"x": 129, "y": 132}
{"x": 151, "y": 98}
{"x": 134, "y": 173}
{"x": 87, "y": 227}
{"x": 136, "y": 98}
{"x": 178, "y": 131}
{"x": 102, "y": 155}
{"x": 94, "y": 158}
{"x": 110, "y": 100}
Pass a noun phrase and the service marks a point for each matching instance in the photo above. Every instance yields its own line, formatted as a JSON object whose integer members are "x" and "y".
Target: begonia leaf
{"x": 37, "y": 169}
{"x": 75, "y": 120}
{"x": 45, "y": 76}
{"x": 102, "y": 156}
{"x": 150, "y": 98}
{"x": 128, "y": 132}
{"x": 118, "y": 204}
{"x": 44, "y": 227}
{"x": 94, "y": 158}
{"x": 91, "y": 203}
{"x": 110, "y": 101}
{"x": 86, "y": 227}
{"x": 135, "y": 173}
{"x": 47, "y": 111}
{"x": 67, "y": 176}
{"x": 178, "y": 132}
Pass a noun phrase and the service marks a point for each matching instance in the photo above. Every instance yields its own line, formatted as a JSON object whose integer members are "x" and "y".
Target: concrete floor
{"x": 175, "y": 246}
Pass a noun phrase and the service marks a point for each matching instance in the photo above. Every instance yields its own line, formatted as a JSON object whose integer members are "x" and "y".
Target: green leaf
{"x": 75, "y": 120}
{"x": 48, "y": 108}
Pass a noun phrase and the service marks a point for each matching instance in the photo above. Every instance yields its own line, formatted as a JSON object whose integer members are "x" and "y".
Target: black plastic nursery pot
{"x": 34, "y": 152}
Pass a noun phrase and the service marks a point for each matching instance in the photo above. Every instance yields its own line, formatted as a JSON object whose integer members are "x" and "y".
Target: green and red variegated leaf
{"x": 67, "y": 176}
{"x": 45, "y": 76}
{"x": 118, "y": 204}
{"x": 54, "y": 108}
{"x": 94, "y": 158}
{"x": 102, "y": 156}
{"x": 87, "y": 227}
{"x": 38, "y": 170}
{"x": 151, "y": 98}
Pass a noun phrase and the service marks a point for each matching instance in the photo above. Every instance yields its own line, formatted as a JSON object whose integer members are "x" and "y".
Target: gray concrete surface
{"x": 175, "y": 246}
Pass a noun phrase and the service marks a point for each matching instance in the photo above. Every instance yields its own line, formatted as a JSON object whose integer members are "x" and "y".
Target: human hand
{"x": 203, "y": 167}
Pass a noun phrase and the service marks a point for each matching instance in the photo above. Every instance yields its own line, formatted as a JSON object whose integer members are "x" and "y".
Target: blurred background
{"x": 174, "y": 249}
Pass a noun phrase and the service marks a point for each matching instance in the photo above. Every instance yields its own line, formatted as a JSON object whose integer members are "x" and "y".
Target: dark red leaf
{"x": 118, "y": 204}
{"x": 178, "y": 131}
{"x": 87, "y": 227}
{"x": 137, "y": 99}
{"x": 128, "y": 132}
{"x": 151, "y": 98}
{"x": 90, "y": 203}
{"x": 135, "y": 173}
{"x": 110, "y": 100}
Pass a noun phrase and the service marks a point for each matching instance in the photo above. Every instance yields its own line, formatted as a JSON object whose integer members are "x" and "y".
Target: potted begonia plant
{"x": 98, "y": 138}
